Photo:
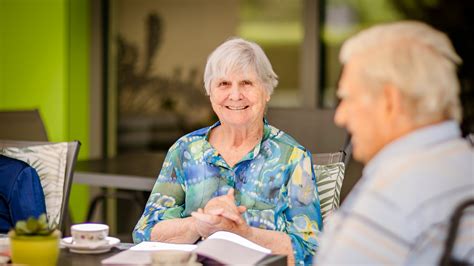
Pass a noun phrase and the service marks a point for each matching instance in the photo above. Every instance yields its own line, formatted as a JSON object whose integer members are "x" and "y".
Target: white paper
{"x": 153, "y": 246}
{"x": 239, "y": 240}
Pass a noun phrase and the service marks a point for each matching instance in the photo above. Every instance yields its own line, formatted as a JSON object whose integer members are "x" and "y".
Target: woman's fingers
{"x": 214, "y": 215}
{"x": 225, "y": 206}
{"x": 216, "y": 211}
{"x": 233, "y": 217}
{"x": 230, "y": 192}
{"x": 241, "y": 209}
{"x": 206, "y": 218}
{"x": 224, "y": 203}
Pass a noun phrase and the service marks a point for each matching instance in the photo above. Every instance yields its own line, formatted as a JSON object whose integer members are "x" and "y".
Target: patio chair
{"x": 455, "y": 227}
{"x": 55, "y": 164}
{"x": 329, "y": 169}
{"x": 22, "y": 125}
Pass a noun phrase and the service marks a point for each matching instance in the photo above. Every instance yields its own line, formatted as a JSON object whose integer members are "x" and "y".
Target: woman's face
{"x": 239, "y": 99}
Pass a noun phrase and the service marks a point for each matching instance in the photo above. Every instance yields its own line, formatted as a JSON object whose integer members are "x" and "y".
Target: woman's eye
{"x": 223, "y": 83}
{"x": 247, "y": 82}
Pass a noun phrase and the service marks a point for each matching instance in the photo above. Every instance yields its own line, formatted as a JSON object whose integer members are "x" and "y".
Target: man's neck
{"x": 408, "y": 126}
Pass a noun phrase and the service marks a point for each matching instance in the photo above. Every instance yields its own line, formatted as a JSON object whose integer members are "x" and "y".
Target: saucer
{"x": 89, "y": 249}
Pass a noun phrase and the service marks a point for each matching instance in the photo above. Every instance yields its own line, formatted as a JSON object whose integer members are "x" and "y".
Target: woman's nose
{"x": 235, "y": 92}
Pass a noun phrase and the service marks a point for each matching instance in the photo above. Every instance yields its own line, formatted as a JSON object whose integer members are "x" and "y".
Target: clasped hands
{"x": 221, "y": 214}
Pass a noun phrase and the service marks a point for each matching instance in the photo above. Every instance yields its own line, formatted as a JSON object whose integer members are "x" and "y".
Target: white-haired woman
{"x": 240, "y": 174}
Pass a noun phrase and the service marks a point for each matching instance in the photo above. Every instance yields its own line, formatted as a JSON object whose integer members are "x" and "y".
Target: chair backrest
{"x": 23, "y": 147}
{"x": 329, "y": 169}
{"x": 455, "y": 227}
{"x": 22, "y": 125}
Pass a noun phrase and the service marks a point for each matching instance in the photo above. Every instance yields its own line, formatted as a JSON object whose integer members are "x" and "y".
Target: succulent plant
{"x": 33, "y": 226}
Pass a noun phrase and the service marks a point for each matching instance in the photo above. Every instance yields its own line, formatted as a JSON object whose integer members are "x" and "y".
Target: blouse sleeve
{"x": 166, "y": 200}
{"x": 303, "y": 215}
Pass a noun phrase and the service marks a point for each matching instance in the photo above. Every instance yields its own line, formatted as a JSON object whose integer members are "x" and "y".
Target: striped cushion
{"x": 49, "y": 162}
{"x": 329, "y": 179}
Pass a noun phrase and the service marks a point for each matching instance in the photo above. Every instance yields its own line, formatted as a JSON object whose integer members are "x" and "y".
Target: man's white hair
{"x": 416, "y": 58}
{"x": 237, "y": 54}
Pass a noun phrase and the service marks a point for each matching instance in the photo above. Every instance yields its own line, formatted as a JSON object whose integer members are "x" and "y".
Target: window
{"x": 340, "y": 20}
{"x": 158, "y": 51}
{"x": 279, "y": 29}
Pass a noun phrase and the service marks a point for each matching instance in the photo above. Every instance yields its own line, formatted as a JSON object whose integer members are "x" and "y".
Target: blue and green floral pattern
{"x": 275, "y": 181}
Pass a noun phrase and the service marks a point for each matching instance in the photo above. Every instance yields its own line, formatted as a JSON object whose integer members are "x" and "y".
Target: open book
{"x": 221, "y": 247}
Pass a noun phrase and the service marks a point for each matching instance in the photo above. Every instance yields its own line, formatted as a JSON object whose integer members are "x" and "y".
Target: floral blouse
{"x": 275, "y": 181}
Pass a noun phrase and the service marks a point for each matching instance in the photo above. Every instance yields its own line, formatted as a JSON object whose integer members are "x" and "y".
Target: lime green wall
{"x": 33, "y": 59}
{"x": 78, "y": 98}
{"x": 44, "y": 64}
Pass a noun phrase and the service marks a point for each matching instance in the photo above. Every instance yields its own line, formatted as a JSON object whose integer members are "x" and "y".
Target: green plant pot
{"x": 35, "y": 250}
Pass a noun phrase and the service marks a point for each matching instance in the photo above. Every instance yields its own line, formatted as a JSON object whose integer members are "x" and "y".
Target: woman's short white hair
{"x": 237, "y": 54}
{"x": 416, "y": 58}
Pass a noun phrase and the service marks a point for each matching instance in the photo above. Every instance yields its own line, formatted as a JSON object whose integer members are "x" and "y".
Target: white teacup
{"x": 90, "y": 234}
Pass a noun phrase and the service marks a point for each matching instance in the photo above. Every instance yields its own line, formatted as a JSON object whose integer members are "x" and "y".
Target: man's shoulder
{"x": 426, "y": 177}
{"x": 455, "y": 155}
{"x": 450, "y": 160}
{"x": 11, "y": 170}
{"x": 409, "y": 193}
{"x": 11, "y": 166}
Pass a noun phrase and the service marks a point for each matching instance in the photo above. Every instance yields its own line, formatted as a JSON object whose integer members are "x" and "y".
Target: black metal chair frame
{"x": 446, "y": 257}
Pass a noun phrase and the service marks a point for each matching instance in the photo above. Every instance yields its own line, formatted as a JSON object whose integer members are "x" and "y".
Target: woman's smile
{"x": 237, "y": 108}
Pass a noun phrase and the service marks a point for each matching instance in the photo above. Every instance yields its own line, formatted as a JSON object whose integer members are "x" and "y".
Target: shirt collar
{"x": 418, "y": 139}
{"x": 266, "y": 133}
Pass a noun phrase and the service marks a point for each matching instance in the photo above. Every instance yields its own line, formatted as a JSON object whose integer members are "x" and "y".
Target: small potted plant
{"x": 32, "y": 242}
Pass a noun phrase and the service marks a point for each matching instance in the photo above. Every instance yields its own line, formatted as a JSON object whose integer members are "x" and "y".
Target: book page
{"x": 223, "y": 247}
{"x": 152, "y": 246}
{"x": 228, "y": 252}
{"x": 141, "y": 254}
{"x": 239, "y": 240}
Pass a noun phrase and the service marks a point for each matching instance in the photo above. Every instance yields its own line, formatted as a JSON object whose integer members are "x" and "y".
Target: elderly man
{"x": 399, "y": 100}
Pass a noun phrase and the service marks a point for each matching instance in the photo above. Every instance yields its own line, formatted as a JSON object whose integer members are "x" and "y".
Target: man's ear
{"x": 393, "y": 100}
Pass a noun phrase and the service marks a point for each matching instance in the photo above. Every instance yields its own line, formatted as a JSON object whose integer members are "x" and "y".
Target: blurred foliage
{"x": 342, "y": 18}
{"x": 277, "y": 26}
{"x": 269, "y": 11}
{"x": 269, "y": 21}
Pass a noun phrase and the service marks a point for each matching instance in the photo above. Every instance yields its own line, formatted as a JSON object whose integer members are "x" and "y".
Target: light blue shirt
{"x": 399, "y": 211}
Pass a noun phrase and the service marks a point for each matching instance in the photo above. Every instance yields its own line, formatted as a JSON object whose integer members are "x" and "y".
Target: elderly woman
{"x": 239, "y": 175}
